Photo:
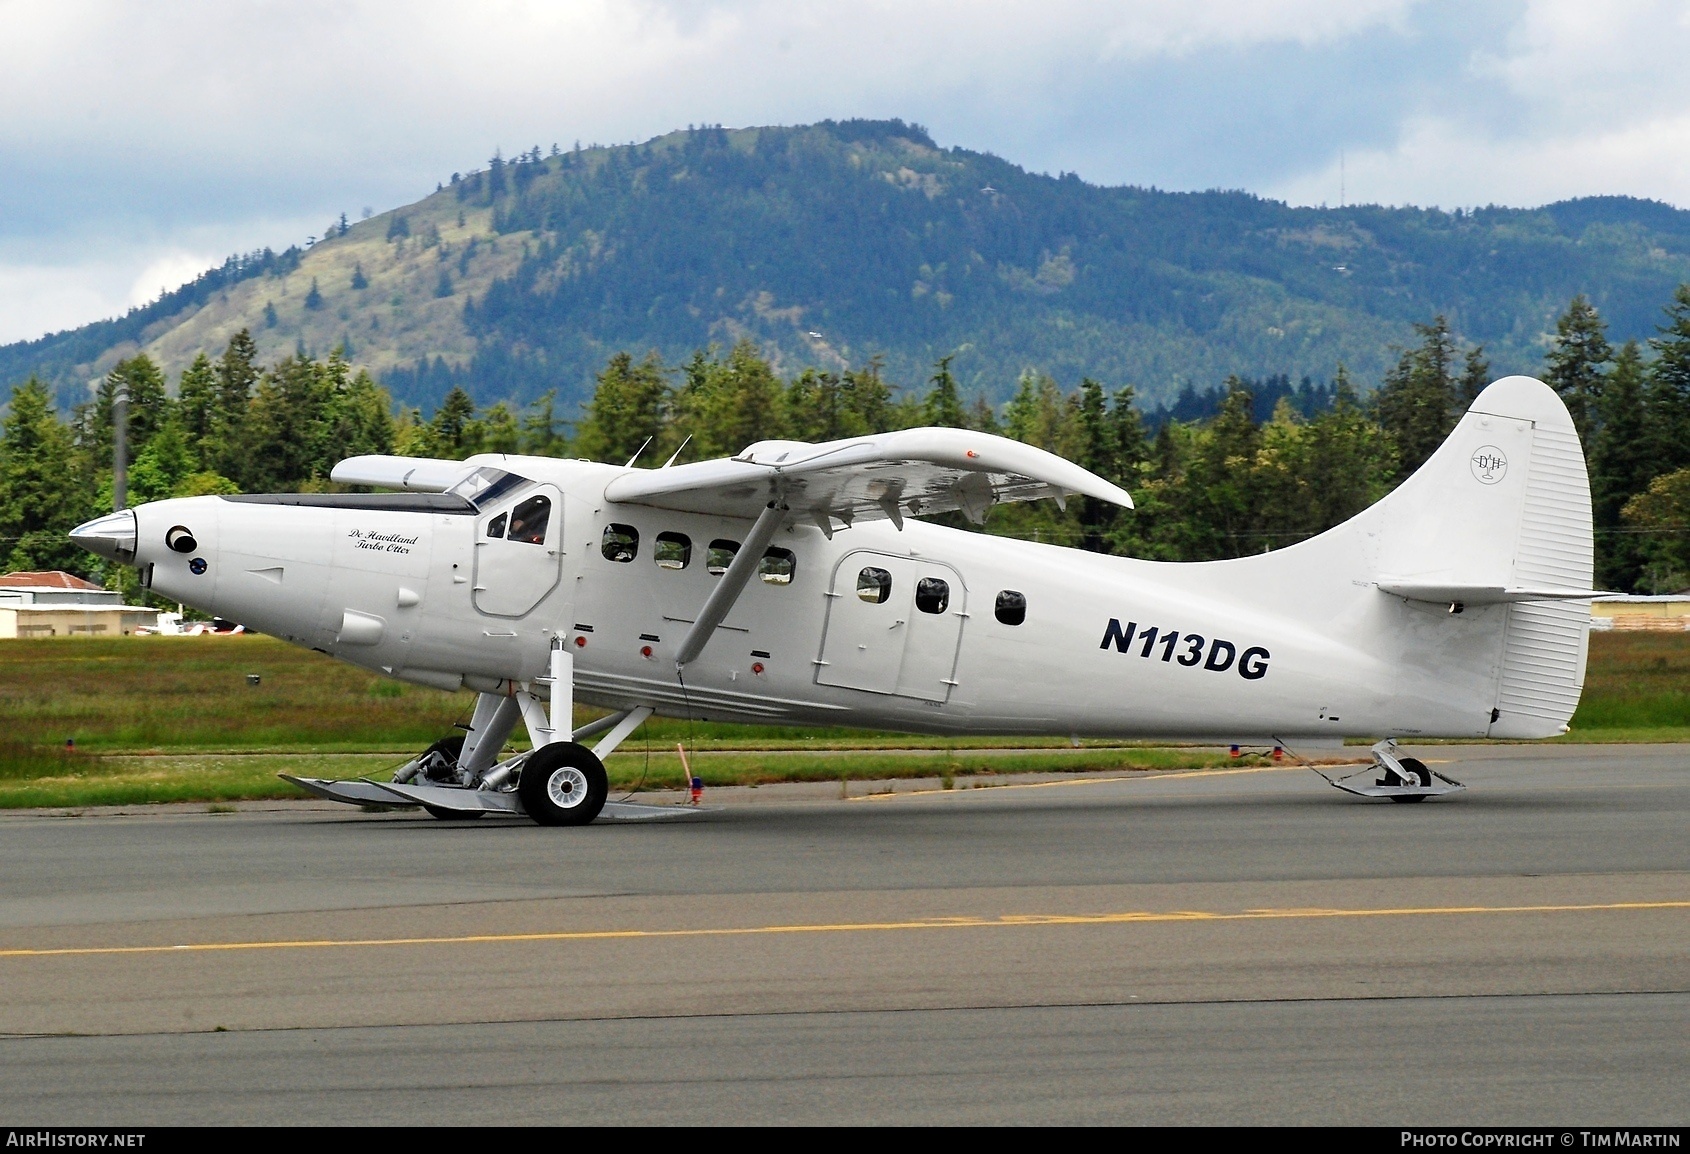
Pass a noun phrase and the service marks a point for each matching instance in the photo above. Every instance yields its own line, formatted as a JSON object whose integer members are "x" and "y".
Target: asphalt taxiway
{"x": 1237, "y": 946}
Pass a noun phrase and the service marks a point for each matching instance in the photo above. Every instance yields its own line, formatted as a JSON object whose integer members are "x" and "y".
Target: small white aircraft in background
{"x": 791, "y": 584}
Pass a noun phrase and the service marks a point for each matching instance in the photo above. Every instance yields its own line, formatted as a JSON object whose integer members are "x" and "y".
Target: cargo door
{"x": 894, "y": 625}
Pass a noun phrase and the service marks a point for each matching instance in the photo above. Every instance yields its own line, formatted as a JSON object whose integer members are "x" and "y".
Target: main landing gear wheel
{"x": 563, "y": 784}
{"x": 451, "y": 748}
{"x": 1418, "y": 768}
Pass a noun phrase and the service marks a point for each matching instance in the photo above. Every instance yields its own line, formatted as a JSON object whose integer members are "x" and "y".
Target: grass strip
{"x": 129, "y": 780}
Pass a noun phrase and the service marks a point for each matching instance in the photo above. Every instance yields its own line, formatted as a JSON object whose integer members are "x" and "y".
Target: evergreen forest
{"x": 1253, "y": 465}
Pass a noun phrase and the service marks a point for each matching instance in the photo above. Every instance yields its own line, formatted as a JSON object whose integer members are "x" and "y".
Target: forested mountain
{"x": 838, "y": 243}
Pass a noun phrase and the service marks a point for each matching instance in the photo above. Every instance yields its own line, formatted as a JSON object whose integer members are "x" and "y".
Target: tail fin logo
{"x": 1490, "y": 465}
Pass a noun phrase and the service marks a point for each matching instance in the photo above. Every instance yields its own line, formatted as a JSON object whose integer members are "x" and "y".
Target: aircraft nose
{"x": 111, "y": 536}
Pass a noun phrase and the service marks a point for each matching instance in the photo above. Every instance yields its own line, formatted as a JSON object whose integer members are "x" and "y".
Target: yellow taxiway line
{"x": 940, "y": 923}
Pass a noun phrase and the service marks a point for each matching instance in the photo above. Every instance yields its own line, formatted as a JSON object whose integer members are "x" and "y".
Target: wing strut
{"x": 732, "y": 584}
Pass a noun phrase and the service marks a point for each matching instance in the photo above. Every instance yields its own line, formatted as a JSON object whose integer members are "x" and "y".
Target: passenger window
{"x": 621, "y": 543}
{"x": 496, "y": 527}
{"x": 720, "y": 556}
{"x": 529, "y": 519}
{"x": 671, "y": 550}
{"x": 874, "y": 585}
{"x": 777, "y": 567}
{"x": 1012, "y": 607}
{"x": 932, "y": 595}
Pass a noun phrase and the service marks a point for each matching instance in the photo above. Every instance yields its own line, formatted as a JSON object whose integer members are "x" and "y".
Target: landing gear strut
{"x": 559, "y": 782}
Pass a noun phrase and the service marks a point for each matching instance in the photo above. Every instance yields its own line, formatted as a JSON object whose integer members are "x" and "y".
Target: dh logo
{"x": 1489, "y": 464}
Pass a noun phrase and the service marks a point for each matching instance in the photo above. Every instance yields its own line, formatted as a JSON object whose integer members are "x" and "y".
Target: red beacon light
{"x": 580, "y": 643}
{"x": 757, "y": 667}
{"x": 645, "y": 651}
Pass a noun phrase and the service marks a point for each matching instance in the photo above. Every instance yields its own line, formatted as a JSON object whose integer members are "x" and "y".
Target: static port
{"x": 180, "y": 539}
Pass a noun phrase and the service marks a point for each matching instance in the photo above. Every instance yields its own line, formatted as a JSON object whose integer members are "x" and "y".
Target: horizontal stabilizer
{"x": 889, "y": 475}
{"x": 1445, "y": 593}
{"x": 415, "y": 474}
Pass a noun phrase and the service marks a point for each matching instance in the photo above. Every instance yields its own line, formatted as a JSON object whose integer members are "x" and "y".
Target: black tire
{"x": 454, "y": 814}
{"x": 563, "y": 784}
{"x": 1418, "y": 768}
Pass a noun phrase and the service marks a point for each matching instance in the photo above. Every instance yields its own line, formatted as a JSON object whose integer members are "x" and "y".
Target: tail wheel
{"x": 1418, "y": 768}
{"x": 451, "y": 748}
{"x": 563, "y": 784}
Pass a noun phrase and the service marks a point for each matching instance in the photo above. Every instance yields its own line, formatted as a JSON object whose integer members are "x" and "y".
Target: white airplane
{"x": 793, "y": 584}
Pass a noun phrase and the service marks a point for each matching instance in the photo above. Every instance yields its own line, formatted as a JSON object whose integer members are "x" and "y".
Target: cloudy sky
{"x": 142, "y": 142}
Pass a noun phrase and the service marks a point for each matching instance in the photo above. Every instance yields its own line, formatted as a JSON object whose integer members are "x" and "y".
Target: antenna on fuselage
{"x": 677, "y": 452}
{"x": 636, "y": 455}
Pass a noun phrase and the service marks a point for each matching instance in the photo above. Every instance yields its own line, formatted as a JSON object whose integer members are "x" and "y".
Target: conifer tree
{"x": 196, "y": 405}
{"x": 43, "y": 495}
{"x": 223, "y": 450}
{"x": 143, "y": 383}
{"x": 943, "y": 406}
{"x": 1668, "y": 399}
{"x": 359, "y": 281}
{"x": 1475, "y": 375}
{"x": 452, "y": 426}
{"x": 1349, "y": 459}
{"x": 1621, "y": 465}
{"x": 314, "y": 298}
{"x": 628, "y": 407}
{"x": 540, "y": 433}
{"x": 1574, "y": 365}
{"x": 1416, "y": 403}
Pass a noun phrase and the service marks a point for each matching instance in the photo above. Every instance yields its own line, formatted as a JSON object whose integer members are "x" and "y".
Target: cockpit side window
{"x": 529, "y": 520}
{"x": 496, "y": 527}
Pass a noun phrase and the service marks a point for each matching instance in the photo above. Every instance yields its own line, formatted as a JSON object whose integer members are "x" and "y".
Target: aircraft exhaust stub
{"x": 880, "y": 616}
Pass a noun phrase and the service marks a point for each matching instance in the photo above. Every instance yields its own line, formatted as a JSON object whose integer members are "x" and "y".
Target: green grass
{"x": 1637, "y": 688}
{"x": 173, "y": 719}
{"x": 118, "y": 779}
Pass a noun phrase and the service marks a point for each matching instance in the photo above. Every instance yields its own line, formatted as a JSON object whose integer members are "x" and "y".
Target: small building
{"x": 1667, "y": 614}
{"x": 58, "y": 604}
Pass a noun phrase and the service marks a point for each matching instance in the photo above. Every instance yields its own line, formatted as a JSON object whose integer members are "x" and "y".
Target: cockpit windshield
{"x": 486, "y": 485}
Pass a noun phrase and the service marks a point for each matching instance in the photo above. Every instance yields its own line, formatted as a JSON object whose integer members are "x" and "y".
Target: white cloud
{"x": 1441, "y": 163}
{"x": 37, "y": 299}
{"x": 188, "y": 129}
{"x": 169, "y": 271}
{"x": 1580, "y": 100}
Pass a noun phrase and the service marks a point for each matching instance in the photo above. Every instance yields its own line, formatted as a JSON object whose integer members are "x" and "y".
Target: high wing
{"x": 886, "y": 475}
{"x": 413, "y": 474}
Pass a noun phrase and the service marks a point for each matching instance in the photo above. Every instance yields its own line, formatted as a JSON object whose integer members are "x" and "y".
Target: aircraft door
{"x": 519, "y": 552}
{"x": 893, "y": 626}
